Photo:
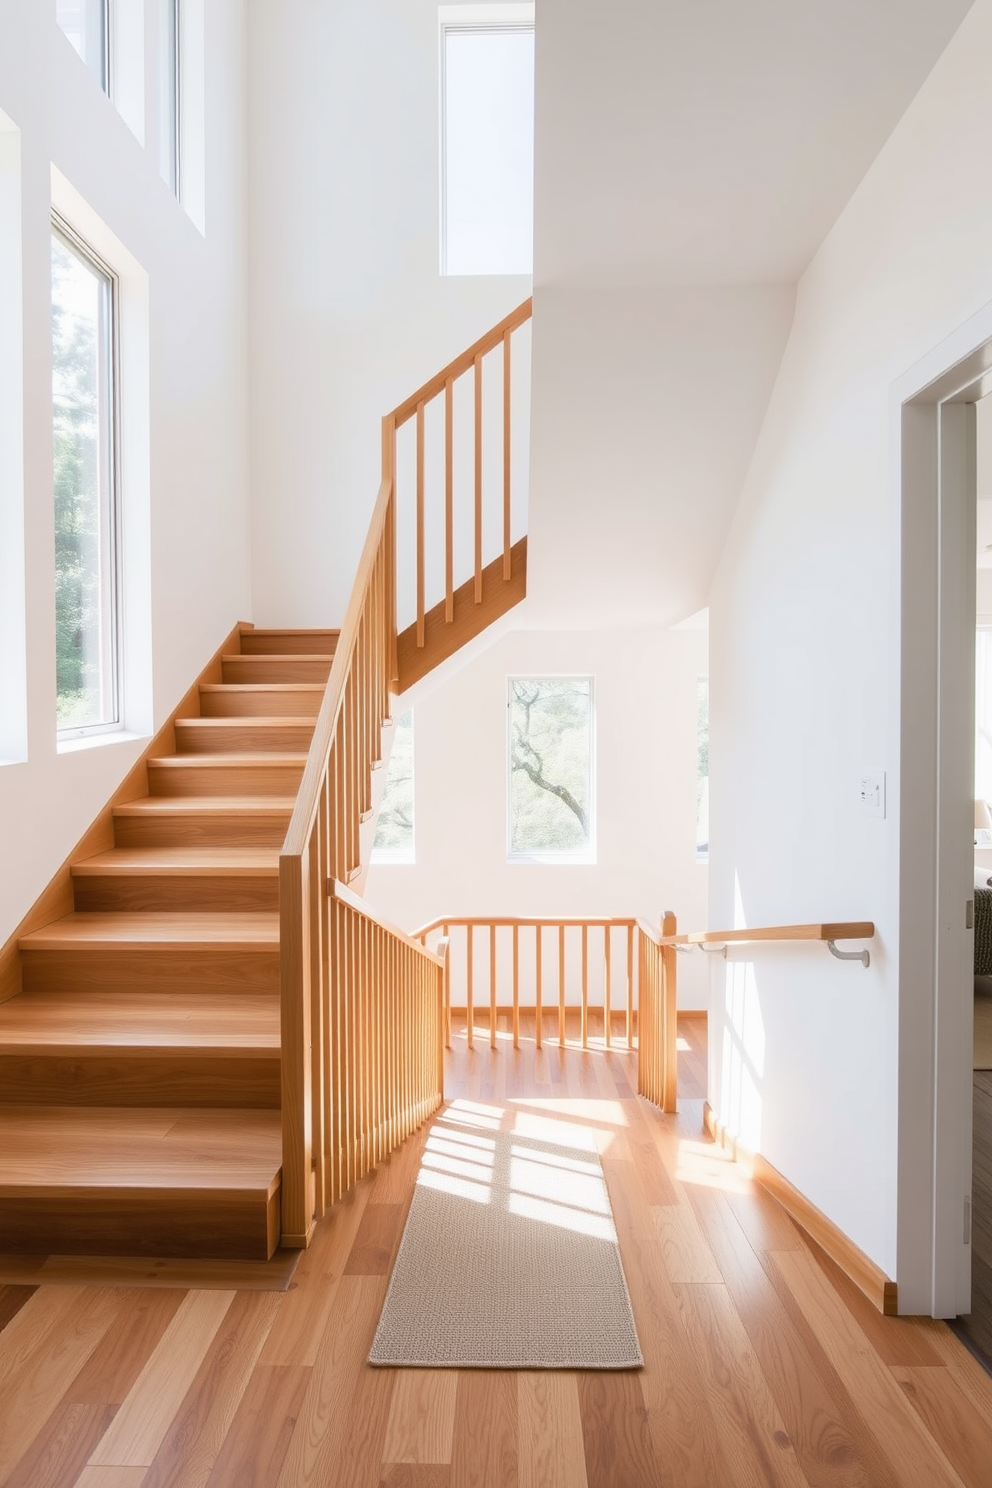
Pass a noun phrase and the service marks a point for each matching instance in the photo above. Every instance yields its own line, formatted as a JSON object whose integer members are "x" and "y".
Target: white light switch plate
{"x": 872, "y": 794}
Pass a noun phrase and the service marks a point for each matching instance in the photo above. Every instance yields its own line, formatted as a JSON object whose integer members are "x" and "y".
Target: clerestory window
{"x": 487, "y": 139}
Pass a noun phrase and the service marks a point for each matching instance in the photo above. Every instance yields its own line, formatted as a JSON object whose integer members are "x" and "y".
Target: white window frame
{"x": 77, "y": 244}
{"x": 171, "y": 83}
{"x": 586, "y": 853}
{"x": 515, "y": 15}
{"x": 105, "y": 75}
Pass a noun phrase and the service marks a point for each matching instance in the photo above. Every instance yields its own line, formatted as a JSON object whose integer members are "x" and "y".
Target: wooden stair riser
{"x": 288, "y": 642}
{"x": 176, "y": 893}
{"x": 166, "y": 1076}
{"x": 259, "y": 777}
{"x": 245, "y": 669}
{"x": 218, "y": 1224}
{"x": 227, "y": 735}
{"x": 135, "y": 971}
{"x": 300, "y": 701}
{"x": 220, "y": 829}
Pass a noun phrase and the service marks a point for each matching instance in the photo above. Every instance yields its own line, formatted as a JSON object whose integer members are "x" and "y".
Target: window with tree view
{"x": 394, "y": 827}
{"x": 83, "y": 395}
{"x": 550, "y": 763}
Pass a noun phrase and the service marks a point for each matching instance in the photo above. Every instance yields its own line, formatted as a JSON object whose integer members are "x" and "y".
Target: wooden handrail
{"x": 837, "y": 930}
{"x": 463, "y": 362}
{"x": 305, "y": 809}
{"x": 340, "y": 891}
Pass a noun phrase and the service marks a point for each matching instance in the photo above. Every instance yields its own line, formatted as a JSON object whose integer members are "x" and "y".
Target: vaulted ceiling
{"x": 714, "y": 141}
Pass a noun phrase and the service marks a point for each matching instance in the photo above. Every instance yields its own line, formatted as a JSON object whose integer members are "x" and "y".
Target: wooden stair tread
{"x": 253, "y": 721}
{"x": 138, "y": 930}
{"x": 273, "y": 658}
{"x": 51, "y": 1149}
{"x": 191, "y": 860}
{"x": 48, "y": 1021}
{"x": 278, "y": 689}
{"x": 207, "y": 805}
{"x": 251, "y": 759}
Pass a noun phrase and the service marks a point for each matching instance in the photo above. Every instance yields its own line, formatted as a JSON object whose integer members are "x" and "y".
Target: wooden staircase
{"x": 140, "y": 1059}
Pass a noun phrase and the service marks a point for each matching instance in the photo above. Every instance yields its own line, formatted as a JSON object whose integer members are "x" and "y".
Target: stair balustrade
{"x": 601, "y": 967}
{"x": 362, "y": 1003}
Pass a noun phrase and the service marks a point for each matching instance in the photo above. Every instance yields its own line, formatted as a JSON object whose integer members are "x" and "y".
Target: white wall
{"x": 821, "y": 1066}
{"x": 185, "y": 406}
{"x": 647, "y": 404}
{"x": 645, "y": 704}
{"x": 349, "y": 311}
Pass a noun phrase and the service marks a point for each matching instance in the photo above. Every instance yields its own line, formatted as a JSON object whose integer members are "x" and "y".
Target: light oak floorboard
{"x": 421, "y": 1416}
{"x": 777, "y": 1367}
{"x": 152, "y": 1402}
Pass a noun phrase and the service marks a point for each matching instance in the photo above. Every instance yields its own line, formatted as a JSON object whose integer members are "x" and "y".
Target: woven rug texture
{"x": 509, "y": 1258}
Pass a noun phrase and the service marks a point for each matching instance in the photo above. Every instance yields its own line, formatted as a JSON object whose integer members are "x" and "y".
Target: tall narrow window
{"x": 170, "y": 94}
{"x": 551, "y": 768}
{"x": 394, "y": 828}
{"x": 487, "y": 140}
{"x": 84, "y": 394}
{"x": 87, "y": 25}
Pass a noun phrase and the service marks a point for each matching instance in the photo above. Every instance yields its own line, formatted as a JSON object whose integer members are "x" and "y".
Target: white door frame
{"x": 934, "y": 420}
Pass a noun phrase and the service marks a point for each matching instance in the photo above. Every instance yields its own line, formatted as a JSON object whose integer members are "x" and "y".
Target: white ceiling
{"x": 714, "y": 141}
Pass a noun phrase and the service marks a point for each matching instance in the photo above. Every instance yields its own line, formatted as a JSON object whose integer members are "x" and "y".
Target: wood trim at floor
{"x": 868, "y": 1277}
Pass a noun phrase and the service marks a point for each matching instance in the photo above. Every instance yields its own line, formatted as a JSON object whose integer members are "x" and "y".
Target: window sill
{"x": 94, "y": 741}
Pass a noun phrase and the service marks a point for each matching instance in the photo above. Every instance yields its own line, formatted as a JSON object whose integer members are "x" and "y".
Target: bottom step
{"x": 125, "y": 1181}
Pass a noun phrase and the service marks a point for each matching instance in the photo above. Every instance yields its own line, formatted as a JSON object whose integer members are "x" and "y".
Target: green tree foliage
{"x": 550, "y": 756}
{"x": 75, "y": 374}
{"x": 394, "y": 826}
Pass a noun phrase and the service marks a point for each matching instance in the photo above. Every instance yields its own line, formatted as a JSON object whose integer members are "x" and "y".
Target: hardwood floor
{"x": 763, "y": 1365}
{"x": 977, "y": 1327}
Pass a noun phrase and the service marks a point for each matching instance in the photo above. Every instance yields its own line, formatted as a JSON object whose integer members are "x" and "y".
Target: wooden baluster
{"x": 447, "y": 987}
{"x": 297, "y": 1209}
{"x": 315, "y": 909}
{"x": 607, "y": 983}
{"x": 478, "y": 479}
{"x": 506, "y": 455}
{"x": 492, "y": 986}
{"x": 584, "y": 1015}
{"x": 449, "y": 508}
{"x": 670, "y": 1017}
{"x": 561, "y": 986}
{"x": 420, "y": 524}
{"x": 538, "y": 937}
{"x": 630, "y": 986}
{"x": 516, "y": 985}
{"x": 470, "y": 1032}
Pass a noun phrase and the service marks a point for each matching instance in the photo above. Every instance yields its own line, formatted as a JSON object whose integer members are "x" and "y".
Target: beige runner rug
{"x": 509, "y": 1258}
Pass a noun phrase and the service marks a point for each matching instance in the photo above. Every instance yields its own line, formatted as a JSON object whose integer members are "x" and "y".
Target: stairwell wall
{"x": 349, "y": 311}
{"x": 820, "y": 1066}
{"x": 184, "y": 396}
{"x": 645, "y": 788}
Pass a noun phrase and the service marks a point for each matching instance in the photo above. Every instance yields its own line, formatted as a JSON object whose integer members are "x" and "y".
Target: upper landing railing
{"x": 450, "y": 444}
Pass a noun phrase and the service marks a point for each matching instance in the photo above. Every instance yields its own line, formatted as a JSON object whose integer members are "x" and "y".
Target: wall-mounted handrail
{"x": 827, "y": 933}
